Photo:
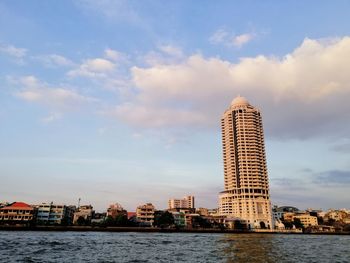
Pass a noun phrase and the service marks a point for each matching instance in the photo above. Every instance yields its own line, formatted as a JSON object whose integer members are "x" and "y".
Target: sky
{"x": 120, "y": 101}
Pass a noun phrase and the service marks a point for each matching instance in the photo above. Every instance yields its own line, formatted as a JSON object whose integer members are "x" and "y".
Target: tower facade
{"x": 246, "y": 195}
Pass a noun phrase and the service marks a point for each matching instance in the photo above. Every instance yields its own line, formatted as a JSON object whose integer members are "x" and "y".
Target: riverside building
{"x": 145, "y": 214}
{"x": 246, "y": 195}
{"x": 17, "y": 213}
{"x": 186, "y": 202}
{"x": 54, "y": 214}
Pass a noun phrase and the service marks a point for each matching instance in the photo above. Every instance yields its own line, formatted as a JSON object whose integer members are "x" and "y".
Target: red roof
{"x": 18, "y": 205}
{"x": 131, "y": 214}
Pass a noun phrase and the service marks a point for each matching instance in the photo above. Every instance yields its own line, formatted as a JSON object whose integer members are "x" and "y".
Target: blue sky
{"x": 120, "y": 101}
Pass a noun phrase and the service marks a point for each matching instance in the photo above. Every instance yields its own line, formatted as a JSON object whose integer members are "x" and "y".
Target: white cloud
{"x": 138, "y": 115}
{"x": 221, "y": 36}
{"x": 166, "y": 54}
{"x": 52, "y": 117}
{"x": 115, "y": 55}
{"x": 92, "y": 68}
{"x": 243, "y": 39}
{"x": 113, "y": 10}
{"x": 54, "y": 60}
{"x": 13, "y": 51}
{"x": 303, "y": 94}
{"x": 56, "y": 98}
{"x": 171, "y": 50}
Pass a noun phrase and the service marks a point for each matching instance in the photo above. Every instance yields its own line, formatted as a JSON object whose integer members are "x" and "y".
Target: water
{"x": 171, "y": 247}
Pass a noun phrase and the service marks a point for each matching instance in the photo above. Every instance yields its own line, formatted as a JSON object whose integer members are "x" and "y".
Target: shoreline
{"x": 153, "y": 230}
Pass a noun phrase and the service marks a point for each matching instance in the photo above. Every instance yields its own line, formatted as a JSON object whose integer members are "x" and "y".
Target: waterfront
{"x": 27, "y": 246}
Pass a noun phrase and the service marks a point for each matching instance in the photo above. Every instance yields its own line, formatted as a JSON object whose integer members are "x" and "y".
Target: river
{"x": 32, "y": 246}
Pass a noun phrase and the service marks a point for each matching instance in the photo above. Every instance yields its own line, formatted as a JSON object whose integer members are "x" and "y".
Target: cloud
{"x": 342, "y": 148}
{"x": 93, "y": 68}
{"x": 302, "y": 94}
{"x": 221, "y": 36}
{"x": 312, "y": 189}
{"x": 139, "y": 115}
{"x": 112, "y": 10}
{"x": 240, "y": 40}
{"x": 171, "y": 50}
{"x": 58, "y": 99}
{"x": 166, "y": 54}
{"x": 333, "y": 178}
{"x": 54, "y": 60}
{"x": 115, "y": 55}
{"x": 52, "y": 117}
{"x": 13, "y": 51}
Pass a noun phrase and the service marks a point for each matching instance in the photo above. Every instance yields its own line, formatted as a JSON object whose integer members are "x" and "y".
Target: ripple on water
{"x": 170, "y": 247}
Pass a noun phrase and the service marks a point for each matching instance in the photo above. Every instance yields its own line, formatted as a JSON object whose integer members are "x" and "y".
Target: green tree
{"x": 163, "y": 219}
{"x": 121, "y": 220}
{"x": 287, "y": 224}
{"x": 81, "y": 221}
{"x": 201, "y": 222}
{"x": 109, "y": 221}
{"x": 298, "y": 223}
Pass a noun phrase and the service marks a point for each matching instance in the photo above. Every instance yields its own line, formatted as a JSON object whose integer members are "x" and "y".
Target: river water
{"x": 72, "y": 247}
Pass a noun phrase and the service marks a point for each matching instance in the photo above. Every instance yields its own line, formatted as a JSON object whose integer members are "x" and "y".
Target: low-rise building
{"x": 17, "y": 213}
{"x": 83, "y": 214}
{"x": 115, "y": 210}
{"x": 213, "y": 212}
{"x": 179, "y": 219}
{"x": 54, "y": 214}
{"x": 202, "y": 211}
{"x": 288, "y": 216}
{"x": 190, "y": 220}
{"x": 145, "y": 214}
{"x": 336, "y": 215}
{"x": 306, "y": 219}
{"x": 98, "y": 218}
{"x": 284, "y": 212}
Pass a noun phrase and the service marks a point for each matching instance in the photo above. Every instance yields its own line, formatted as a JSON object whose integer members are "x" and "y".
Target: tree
{"x": 287, "y": 224}
{"x": 330, "y": 222}
{"x": 298, "y": 223}
{"x": 109, "y": 221}
{"x": 121, "y": 220}
{"x": 320, "y": 220}
{"x": 163, "y": 219}
{"x": 201, "y": 222}
{"x": 81, "y": 221}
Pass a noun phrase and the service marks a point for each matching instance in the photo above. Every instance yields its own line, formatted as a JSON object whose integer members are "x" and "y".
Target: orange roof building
{"x": 17, "y": 213}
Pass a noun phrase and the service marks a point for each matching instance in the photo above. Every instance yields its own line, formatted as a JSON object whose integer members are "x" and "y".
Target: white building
{"x": 86, "y": 212}
{"x": 54, "y": 213}
{"x": 145, "y": 214}
{"x": 246, "y": 195}
{"x": 186, "y": 202}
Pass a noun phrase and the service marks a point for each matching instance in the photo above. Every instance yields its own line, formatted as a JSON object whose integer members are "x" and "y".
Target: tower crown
{"x": 239, "y": 101}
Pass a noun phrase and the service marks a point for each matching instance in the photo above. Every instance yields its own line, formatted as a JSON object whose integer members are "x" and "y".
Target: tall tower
{"x": 246, "y": 194}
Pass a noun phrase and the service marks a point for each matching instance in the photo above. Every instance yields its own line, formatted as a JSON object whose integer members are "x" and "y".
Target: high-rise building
{"x": 186, "y": 202}
{"x": 246, "y": 195}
